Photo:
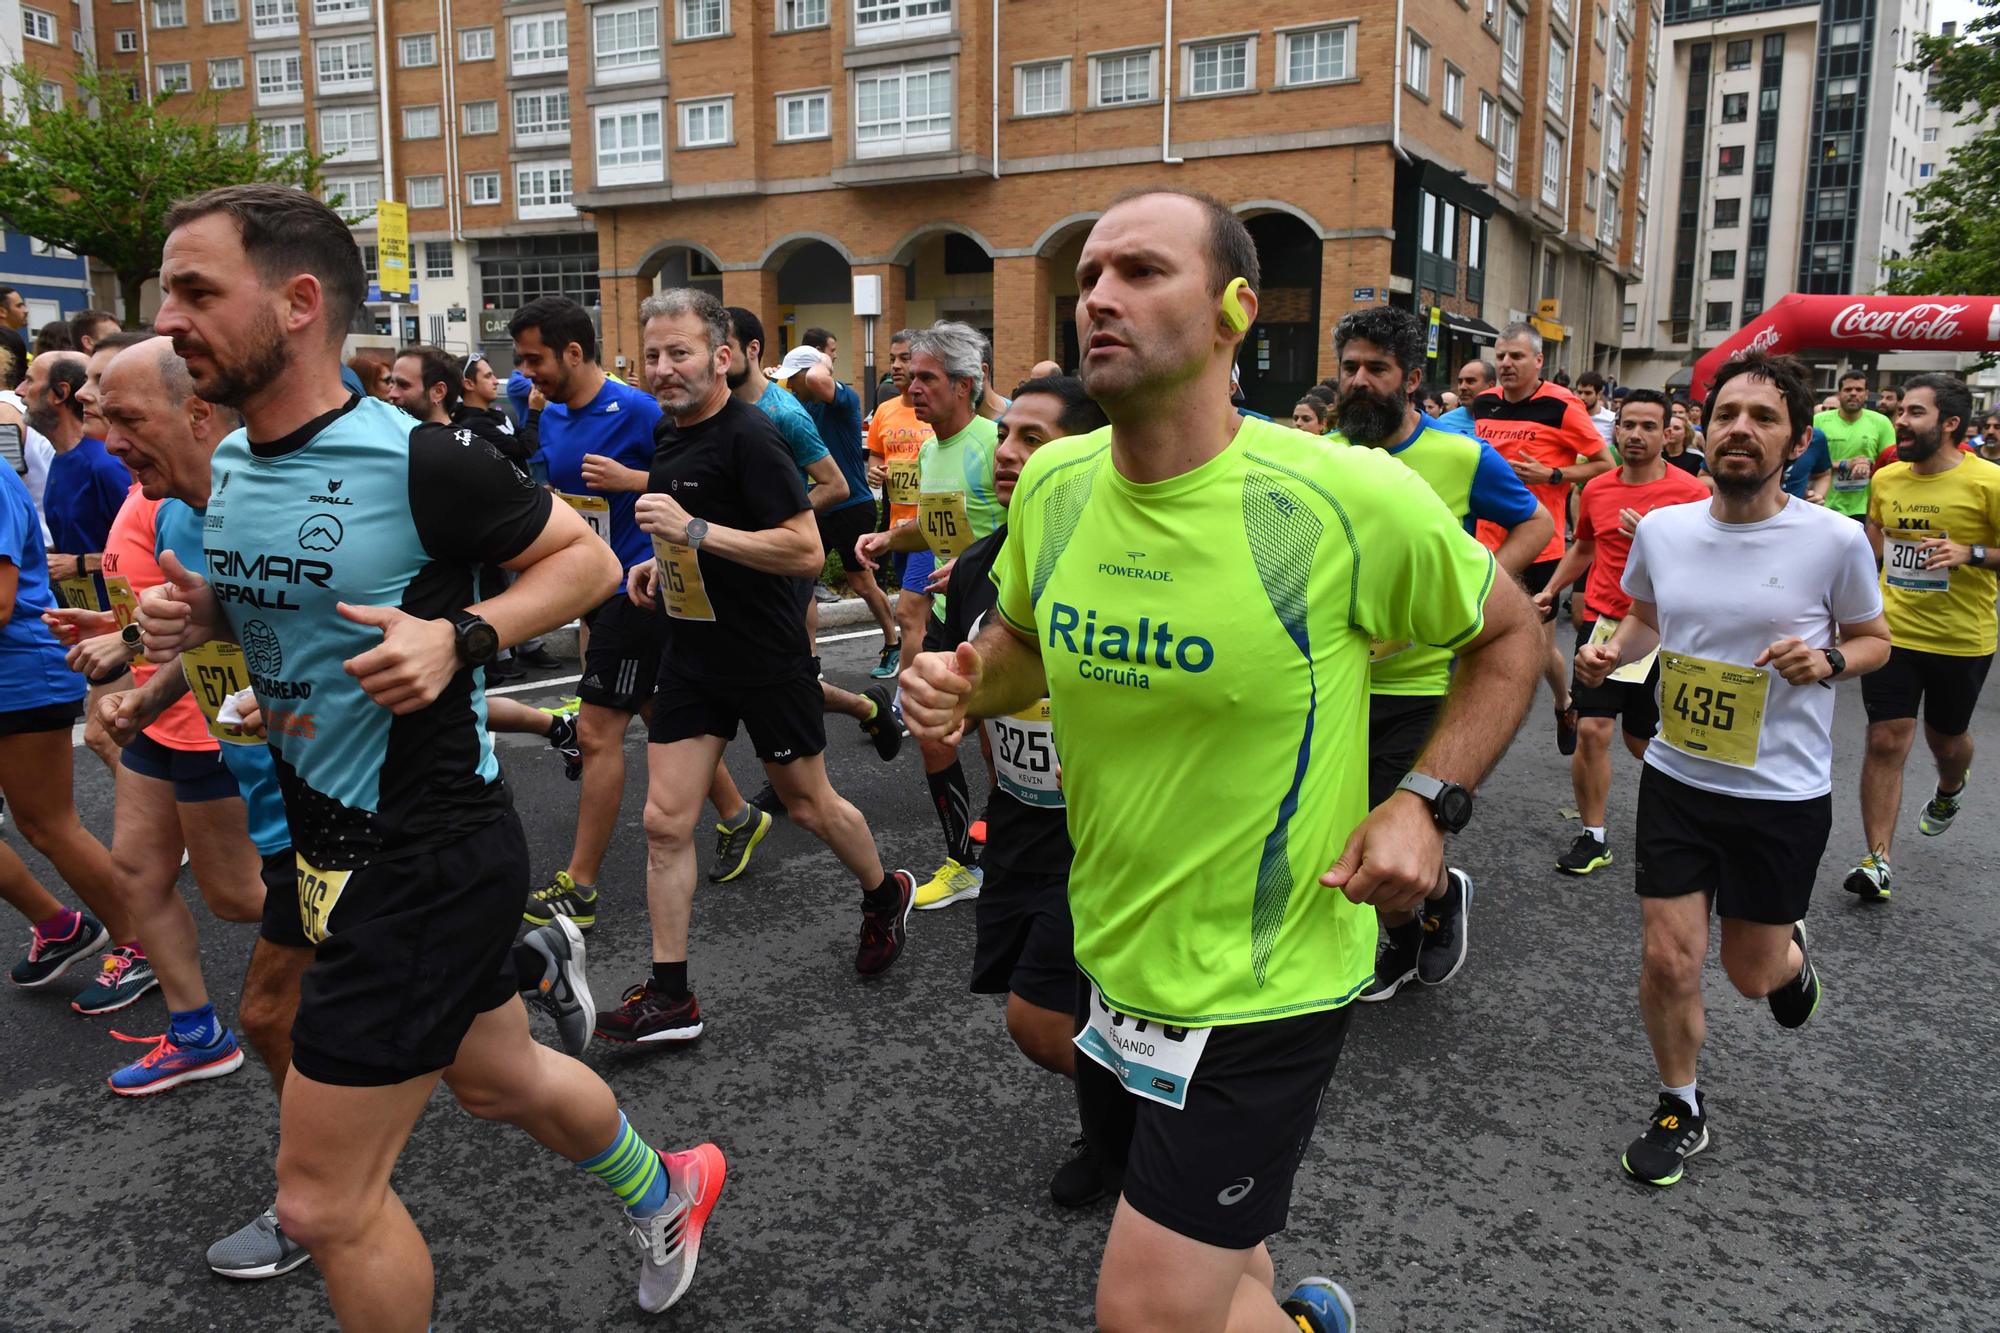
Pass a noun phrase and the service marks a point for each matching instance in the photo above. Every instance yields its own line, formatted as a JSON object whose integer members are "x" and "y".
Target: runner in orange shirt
{"x": 1543, "y": 431}
{"x": 895, "y": 438}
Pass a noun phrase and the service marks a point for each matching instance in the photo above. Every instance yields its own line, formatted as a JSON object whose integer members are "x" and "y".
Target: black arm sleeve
{"x": 468, "y": 501}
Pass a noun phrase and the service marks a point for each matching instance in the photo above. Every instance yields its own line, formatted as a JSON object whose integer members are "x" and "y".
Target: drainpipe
{"x": 1167, "y": 93}
{"x": 996, "y": 87}
{"x": 448, "y": 117}
{"x": 1402, "y": 40}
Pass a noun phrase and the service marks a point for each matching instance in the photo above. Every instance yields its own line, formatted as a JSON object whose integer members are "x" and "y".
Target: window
{"x": 803, "y": 116}
{"x": 170, "y": 13}
{"x": 1490, "y": 18}
{"x": 1737, "y": 55}
{"x": 1774, "y": 46}
{"x": 705, "y": 124}
{"x": 1603, "y": 24}
{"x": 1631, "y": 316}
{"x": 903, "y": 109}
{"x": 1722, "y": 263}
{"x": 796, "y": 14}
{"x": 1513, "y": 32}
{"x": 1735, "y": 107}
{"x": 223, "y": 11}
{"x": 348, "y": 133}
{"x": 1930, "y": 134}
{"x": 538, "y": 44}
{"x": 1040, "y": 89}
{"x": 422, "y": 122}
{"x": 37, "y": 26}
{"x": 340, "y": 11}
{"x": 1638, "y": 240}
{"x": 1561, "y": 8}
{"x": 1609, "y": 220}
{"x": 629, "y": 143}
{"x": 1719, "y": 313}
{"x": 347, "y": 64}
{"x": 627, "y": 42}
{"x": 1122, "y": 79}
{"x": 418, "y": 50}
{"x": 475, "y": 44}
{"x": 52, "y": 95}
{"x": 274, "y": 18}
{"x": 1767, "y": 99}
{"x": 1760, "y": 207}
{"x": 482, "y": 187}
{"x": 1596, "y": 105}
{"x": 1614, "y": 143}
{"x": 1728, "y": 213}
{"x": 1753, "y": 263}
{"x": 282, "y": 138}
{"x": 1219, "y": 67}
{"x": 1926, "y": 171}
{"x": 1558, "y": 96}
{"x": 1645, "y": 170}
{"x": 357, "y": 197}
{"x": 541, "y": 117}
{"x": 1836, "y": 147}
{"x": 174, "y": 76}
{"x": 1844, "y": 34}
{"x": 699, "y": 18}
{"x": 126, "y": 41}
{"x": 892, "y": 20}
{"x": 1504, "y": 148}
{"x": 481, "y": 117}
{"x": 1829, "y": 257}
{"x": 1318, "y": 55}
{"x": 1417, "y": 65}
{"x": 1729, "y": 161}
{"x": 426, "y": 192}
{"x": 1833, "y": 203}
{"x": 1454, "y": 92}
{"x": 280, "y": 77}
{"x": 1652, "y": 99}
{"x": 1589, "y": 189}
{"x": 225, "y": 74}
{"x": 438, "y": 259}
{"x": 1552, "y": 167}
{"x": 542, "y": 189}
{"x": 1487, "y": 106}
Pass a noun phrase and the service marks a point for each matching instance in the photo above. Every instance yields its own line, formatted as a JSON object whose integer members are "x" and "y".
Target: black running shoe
{"x": 885, "y": 728}
{"x": 734, "y": 845}
{"x": 541, "y": 659}
{"x": 561, "y": 897}
{"x": 1397, "y": 963}
{"x": 767, "y": 800}
{"x": 883, "y": 934}
{"x": 1675, "y": 1135}
{"x": 1080, "y": 1179}
{"x": 1447, "y": 922}
{"x": 1566, "y": 729}
{"x": 562, "y": 739}
{"x": 1795, "y": 1001}
{"x": 647, "y": 1018}
{"x": 1584, "y": 855}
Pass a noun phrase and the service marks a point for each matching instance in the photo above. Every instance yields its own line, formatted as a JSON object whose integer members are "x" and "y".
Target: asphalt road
{"x": 890, "y": 1151}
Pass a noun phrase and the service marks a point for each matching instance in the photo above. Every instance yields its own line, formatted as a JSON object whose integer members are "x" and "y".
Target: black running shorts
{"x": 1638, "y": 705}
{"x": 418, "y": 947}
{"x": 1023, "y": 940}
{"x": 281, "y": 902}
{"x": 1756, "y": 859}
{"x": 197, "y": 776}
{"x": 839, "y": 530}
{"x": 44, "y": 717}
{"x": 1398, "y": 726}
{"x": 786, "y": 720}
{"x": 623, "y": 660}
{"x": 1536, "y": 577}
{"x": 1218, "y": 1170}
{"x": 1946, "y": 687}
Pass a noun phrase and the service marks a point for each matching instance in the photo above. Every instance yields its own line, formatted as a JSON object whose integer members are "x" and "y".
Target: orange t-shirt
{"x": 130, "y": 553}
{"x": 895, "y": 435}
{"x": 1549, "y": 427}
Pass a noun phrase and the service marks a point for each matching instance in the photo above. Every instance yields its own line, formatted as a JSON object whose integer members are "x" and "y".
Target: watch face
{"x": 1454, "y": 807}
{"x": 481, "y": 643}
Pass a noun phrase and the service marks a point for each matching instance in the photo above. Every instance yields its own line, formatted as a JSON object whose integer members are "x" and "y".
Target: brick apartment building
{"x": 55, "y": 39}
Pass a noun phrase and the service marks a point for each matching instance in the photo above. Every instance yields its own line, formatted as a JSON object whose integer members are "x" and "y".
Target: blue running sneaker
{"x": 169, "y": 1066}
{"x": 1320, "y": 1305}
{"x": 122, "y": 977}
{"x": 48, "y": 959}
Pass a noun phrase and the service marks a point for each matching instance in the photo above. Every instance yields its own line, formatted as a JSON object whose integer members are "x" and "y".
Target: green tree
{"x": 1957, "y": 249}
{"x": 97, "y": 175}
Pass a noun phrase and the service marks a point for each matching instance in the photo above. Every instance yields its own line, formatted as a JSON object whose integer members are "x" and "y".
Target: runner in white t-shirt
{"x": 1755, "y": 602}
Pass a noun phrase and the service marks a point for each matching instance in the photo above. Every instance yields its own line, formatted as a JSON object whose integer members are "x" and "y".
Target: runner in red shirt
{"x": 1607, "y": 511}
{"x": 1543, "y": 431}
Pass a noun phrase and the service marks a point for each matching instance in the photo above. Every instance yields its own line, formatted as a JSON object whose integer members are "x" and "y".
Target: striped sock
{"x": 632, "y": 1170}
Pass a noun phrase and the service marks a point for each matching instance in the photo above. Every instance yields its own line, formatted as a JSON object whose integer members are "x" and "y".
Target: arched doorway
{"x": 1061, "y": 251}
{"x": 951, "y": 277}
{"x": 1280, "y": 356}
{"x": 684, "y": 266}
{"x": 815, "y": 290}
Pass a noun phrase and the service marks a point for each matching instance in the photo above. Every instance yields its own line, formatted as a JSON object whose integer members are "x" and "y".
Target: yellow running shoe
{"x": 952, "y": 883}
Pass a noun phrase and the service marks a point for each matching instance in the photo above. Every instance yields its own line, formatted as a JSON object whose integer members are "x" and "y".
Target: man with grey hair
{"x": 956, "y": 506}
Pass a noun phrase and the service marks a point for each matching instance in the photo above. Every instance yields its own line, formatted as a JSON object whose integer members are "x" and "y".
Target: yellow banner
{"x": 392, "y": 248}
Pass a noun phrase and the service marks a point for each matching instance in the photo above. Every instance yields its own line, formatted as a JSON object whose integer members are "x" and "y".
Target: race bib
{"x": 1712, "y": 710}
{"x": 1024, "y": 757}
{"x": 1153, "y": 1060}
{"x": 319, "y": 893}
{"x": 1903, "y": 562}
{"x": 215, "y": 671}
{"x": 85, "y": 592}
{"x": 594, "y": 510}
{"x": 681, "y": 590}
{"x": 1843, "y": 482}
{"x": 946, "y": 525}
{"x": 1381, "y": 650}
{"x": 904, "y": 480}
{"x": 1632, "y": 673}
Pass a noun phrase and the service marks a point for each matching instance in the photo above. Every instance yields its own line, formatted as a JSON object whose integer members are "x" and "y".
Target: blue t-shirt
{"x": 617, "y": 424}
{"x": 177, "y": 528}
{"x": 839, "y": 427}
{"x": 87, "y": 486}
{"x": 1458, "y": 421}
{"x": 794, "y": 427}
{"x": 1816, "y": 459}
{"x": 366, "y": 506}
{"x": 33, "y": 672}
{"x": 1497, "y": 493}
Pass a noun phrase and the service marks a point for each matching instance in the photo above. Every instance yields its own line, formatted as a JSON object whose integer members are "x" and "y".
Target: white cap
{"x": 799, "y": 358}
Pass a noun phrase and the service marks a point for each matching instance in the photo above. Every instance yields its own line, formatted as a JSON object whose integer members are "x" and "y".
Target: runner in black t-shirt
{"x": 736, "y": 550}
{"x": 1023, "y": 942}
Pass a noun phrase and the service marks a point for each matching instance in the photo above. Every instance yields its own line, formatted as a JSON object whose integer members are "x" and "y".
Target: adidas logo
{"x": 593, "y": 682}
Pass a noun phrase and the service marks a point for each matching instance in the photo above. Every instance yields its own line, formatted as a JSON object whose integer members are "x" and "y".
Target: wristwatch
{"x": 1978, "y": 555}
{"x": 1555, "y": 476}
{"x": 697, "y": 533}
{"x": 1451, "y": 804}
{"x": 478, "y": 642}
{"x": 130, "y": 635}
{"x": 1835, "y": 660}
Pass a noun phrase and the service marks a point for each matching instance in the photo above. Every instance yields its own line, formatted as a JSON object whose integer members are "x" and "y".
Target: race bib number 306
{"x": 1153, "y": 1060}
{"x": 1906, "y": 565}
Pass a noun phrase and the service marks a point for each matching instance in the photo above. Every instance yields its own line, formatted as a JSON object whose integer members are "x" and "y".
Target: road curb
{"x": 843, "y": 614}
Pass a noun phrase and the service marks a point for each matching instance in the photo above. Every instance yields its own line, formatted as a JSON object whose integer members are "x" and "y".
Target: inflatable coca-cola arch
{"x": 1799, "y": 324}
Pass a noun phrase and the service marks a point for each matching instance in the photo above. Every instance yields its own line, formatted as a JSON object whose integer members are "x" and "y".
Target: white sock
{"x": 1595, "y": 830}
{"x": 1686, "y": 1094}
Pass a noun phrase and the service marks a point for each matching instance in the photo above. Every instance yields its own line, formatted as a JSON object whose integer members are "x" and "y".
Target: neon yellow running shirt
{"x": 1206, "y": 642}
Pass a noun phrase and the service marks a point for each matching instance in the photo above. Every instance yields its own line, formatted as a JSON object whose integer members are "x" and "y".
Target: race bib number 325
{"x": 1024, "y": 757}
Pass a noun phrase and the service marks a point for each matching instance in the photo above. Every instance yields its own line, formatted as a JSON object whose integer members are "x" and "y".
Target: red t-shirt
{"x": 130, "y": 554}
{"x": 1889, "y": 455}
{"x": 1597, "y": 509}
{"x": 1550, "y": 427}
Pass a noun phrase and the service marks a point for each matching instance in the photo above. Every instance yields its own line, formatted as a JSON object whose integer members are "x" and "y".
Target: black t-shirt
{"x": 1687, "y": 460}
{"x": 734, "y": 470}
{"x": 1024, "y": 838}
{"x": 497, "y": 429}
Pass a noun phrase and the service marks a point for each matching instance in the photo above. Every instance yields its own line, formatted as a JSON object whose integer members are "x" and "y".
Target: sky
{"x": 1960, "y": 11}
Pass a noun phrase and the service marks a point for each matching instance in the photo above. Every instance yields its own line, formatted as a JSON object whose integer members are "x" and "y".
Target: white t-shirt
{"x": 1728, "y": 591}
{"x": 1606, "y": 422}
{"x": 38, "y": 453}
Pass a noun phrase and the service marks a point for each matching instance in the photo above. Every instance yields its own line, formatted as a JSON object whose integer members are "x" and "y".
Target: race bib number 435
{"x": 1712, "y": 710}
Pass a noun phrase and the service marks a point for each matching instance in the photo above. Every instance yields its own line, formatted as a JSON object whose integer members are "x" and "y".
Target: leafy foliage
{"x": 1958, "y": 210}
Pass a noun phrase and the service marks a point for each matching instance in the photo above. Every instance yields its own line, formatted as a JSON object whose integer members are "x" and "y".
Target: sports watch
{"x": 1978, "y": 556}
{"x": 1451, "y": 804}
{"x": 1835, "y": 660}
{"x": 697, "y": 532}
{"x": 478, "y": 642}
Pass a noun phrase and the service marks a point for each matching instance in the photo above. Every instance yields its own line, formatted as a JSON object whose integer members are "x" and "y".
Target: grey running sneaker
{"x": 734, "y": 845}
{"x": 669, "y": 1241}
{"x": 259, "y": 1250}
{"x": 563, "y": 993}
{"x": 1446, "y": 923}
{"x": 1396, "y": 963}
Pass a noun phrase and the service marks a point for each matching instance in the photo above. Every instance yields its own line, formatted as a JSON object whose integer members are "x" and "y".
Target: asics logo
{"x": 1234, "y": 1195}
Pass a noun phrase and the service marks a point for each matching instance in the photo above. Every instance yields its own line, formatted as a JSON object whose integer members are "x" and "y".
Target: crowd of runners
{"x": 275, "y": 601}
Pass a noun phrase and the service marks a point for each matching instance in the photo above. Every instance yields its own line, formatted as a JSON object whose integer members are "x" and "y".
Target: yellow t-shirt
{"x": 1937, "y": 611}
